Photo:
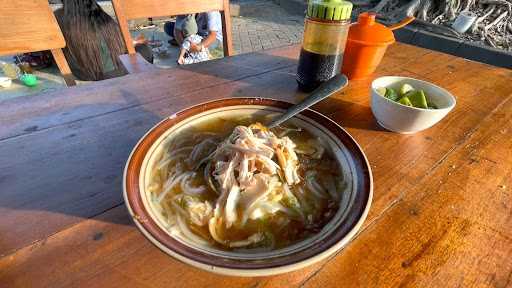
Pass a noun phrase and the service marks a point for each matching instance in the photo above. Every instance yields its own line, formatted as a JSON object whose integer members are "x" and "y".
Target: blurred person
{"x": 189, "y": 31}
{"x": 209, "y": 26}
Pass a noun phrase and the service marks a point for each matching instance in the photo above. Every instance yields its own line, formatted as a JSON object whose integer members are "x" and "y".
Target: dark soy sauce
{"x": 314, "y": 69}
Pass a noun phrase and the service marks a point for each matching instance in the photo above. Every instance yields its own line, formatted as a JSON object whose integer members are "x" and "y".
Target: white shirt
{"x": 206, "y": 22}
{"x": 194, "y": 57}
{"x": 209, "y": 21}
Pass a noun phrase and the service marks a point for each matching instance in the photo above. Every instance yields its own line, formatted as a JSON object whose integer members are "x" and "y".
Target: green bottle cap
{"x": 336, "y": 10}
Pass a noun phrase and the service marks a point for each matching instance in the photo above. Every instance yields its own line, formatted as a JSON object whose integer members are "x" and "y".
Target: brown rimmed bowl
{"x": 354, "y": 204}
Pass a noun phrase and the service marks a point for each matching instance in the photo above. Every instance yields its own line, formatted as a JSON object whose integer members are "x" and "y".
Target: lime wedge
{"x": 381, "y": 91}
{"x": 418, "y": 99}
{"x": 405, "y": 89}
{"x": 391, "y": 94}
{"x": 405, "y": 101}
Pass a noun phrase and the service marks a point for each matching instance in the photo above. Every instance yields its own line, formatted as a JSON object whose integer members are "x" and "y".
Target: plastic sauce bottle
{"x": 325, "y": 33}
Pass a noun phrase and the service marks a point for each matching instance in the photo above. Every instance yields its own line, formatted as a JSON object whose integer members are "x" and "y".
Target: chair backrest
{"x": 30, "y": 26}
{"x": 136, "y": 9}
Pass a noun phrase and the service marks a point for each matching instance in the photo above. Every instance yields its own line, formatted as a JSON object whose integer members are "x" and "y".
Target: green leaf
{"x": 391, "y": 94}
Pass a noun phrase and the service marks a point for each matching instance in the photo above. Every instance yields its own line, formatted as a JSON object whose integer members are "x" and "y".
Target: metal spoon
{"x": 325, "y": 90}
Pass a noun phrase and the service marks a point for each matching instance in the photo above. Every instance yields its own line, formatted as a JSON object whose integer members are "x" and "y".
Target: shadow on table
{"x": 353, "y": 115}
{"x": 72, "y": 171}
{"x": 235, "y": 68}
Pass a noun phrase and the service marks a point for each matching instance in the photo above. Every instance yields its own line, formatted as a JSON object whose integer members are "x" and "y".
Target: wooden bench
{"x": 138, "y": 9}
{"x": 30, "y": 26}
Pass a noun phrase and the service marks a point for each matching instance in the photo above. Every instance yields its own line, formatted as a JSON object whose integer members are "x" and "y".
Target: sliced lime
{"x": 430, "y": 104}
{"x": 381, "y": 91}
{"x": 405, "y": 89}
{"x": 405, "y": 101}
{"x": 418, "y": 99}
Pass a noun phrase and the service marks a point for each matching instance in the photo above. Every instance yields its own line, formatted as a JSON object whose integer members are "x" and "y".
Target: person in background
{"x": 93, "y": 40}
{"x": 189, "y": 31}
{"x": 209, "y": 25}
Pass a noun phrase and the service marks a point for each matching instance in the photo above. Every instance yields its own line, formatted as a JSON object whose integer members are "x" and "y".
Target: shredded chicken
{"x": 252, "y": 176}
{"x": 247, "y": 174}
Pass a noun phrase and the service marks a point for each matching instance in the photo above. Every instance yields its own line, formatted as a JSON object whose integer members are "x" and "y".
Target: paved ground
{"x": 261, "y": 25}
{"x": 265, "y": 25}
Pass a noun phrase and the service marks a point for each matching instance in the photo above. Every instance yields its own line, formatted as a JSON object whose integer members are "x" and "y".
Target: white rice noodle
{"x": 188, "y": 189}
{"x": 301, "y": 196}
{"x": 177, "y": 208}
{"x": 314, "y": 187}
{"x": 174, "y": 182}
{"x": 172, "y": 157}
{"x": 319, "y": 148}
{"x": 188, "y": 233}
{"x": 199, "y": 150}
{"x": 212, "y": 227}
{"x": 288, "y": 193}
{"x": 268, "y": 208}
{"x": 285, "y": 130}
{"x": 254, "y": 238}
{"x": 331, "y": 187}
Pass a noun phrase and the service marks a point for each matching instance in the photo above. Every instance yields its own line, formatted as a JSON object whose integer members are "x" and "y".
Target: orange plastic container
{"x": 366, "y": 44}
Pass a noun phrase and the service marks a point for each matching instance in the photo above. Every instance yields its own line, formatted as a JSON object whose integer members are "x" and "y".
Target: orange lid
{"x": 368, "y": 31}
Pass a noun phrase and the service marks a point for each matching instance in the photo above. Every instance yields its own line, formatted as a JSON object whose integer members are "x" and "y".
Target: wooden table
{"x": 441, "y": 214}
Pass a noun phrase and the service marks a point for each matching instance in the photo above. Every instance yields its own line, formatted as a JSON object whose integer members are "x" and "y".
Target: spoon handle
{"x": 325, "y": 90}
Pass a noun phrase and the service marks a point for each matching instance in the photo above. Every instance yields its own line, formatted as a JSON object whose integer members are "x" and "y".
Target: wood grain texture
{"x": 227, "y": 37}
{"x": 453, "y": 229}
{"x": 62, "y": 63}
{"x": 122, "y": 20}
{"x": 28, "y": 26}
{"x": 25, "y": 115}
{"x": 440, "y": 216}
{"x": 135, "y": 9}
{"x": 134, "y": 63}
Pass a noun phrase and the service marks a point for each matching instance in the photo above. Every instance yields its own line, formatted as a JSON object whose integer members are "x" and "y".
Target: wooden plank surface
{"x": 135, "y": 9}
{"x": 64, "y": 69}
{"x": 28, "y": 26}
{"x": 453, "y": 229}
{"x": 134, "y": 63}
{"x": 71, "y": 171}
{"x": 25, "y": 115}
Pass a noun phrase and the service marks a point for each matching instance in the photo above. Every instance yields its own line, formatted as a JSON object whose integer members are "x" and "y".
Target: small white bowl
{"x": 404, "y": 119}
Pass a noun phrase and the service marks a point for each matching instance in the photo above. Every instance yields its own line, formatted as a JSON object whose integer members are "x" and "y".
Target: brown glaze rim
{"x": 141, "y": 215}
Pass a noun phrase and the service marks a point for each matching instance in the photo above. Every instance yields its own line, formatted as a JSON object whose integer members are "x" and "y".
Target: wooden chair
{"x": 137, "y": 9}
{"x": 30, "y": 26}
